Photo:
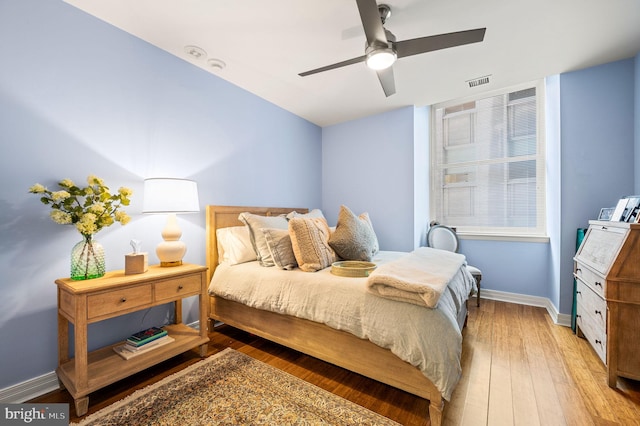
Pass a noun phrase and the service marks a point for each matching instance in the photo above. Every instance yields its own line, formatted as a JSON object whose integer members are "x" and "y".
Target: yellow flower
{"x": 124, "y": 191}
{"x": 105, "y": 221}
{"x": 60, "y": 195}
{"x": 122, "y": 217}
{"x": 67, "y": 183}
{"x": 97, "y": 208}
{"x": 37, "y": 189}
{"x": 95, "y": 180}
{"x": 87, "y": 224}
{"x": 60, "y": 217}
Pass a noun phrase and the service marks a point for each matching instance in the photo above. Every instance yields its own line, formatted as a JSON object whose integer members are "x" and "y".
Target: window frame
{"x": 436, "y": 197}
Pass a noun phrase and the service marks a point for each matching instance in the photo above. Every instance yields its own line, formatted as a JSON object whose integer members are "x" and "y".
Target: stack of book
{"x": 143, "y": 341}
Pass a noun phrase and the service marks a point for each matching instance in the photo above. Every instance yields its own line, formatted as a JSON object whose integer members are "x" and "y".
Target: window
{"x": 487, "y": 164}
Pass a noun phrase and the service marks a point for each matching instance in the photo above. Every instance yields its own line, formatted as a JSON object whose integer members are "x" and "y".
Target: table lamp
{"x": 170, "y": 195}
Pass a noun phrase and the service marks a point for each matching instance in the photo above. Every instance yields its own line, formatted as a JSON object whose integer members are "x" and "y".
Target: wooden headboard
{"x": 225, "y": 216}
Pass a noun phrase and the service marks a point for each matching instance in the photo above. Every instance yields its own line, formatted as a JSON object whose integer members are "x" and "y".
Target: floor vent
{"x": 479, "y": 81}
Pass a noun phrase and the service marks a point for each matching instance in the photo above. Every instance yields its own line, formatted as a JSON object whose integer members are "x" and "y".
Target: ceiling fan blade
{"x": 334, "y": 66}
{"x": 371, "y": 22}
{"x": 387, "y": 81}
{"x": 437, "y": 42}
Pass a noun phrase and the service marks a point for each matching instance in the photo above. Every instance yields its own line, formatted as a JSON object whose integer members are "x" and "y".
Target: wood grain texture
{"x": 569, "y": 380}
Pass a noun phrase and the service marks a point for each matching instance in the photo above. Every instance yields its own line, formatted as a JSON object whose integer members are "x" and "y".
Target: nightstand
{"x": 85, "y": 302}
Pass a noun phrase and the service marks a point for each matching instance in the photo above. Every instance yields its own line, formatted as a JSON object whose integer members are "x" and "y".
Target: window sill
{"x": 512, "y": 238}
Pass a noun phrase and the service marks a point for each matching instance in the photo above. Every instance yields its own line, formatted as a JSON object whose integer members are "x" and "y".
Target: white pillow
{"x": 234, "y": 245}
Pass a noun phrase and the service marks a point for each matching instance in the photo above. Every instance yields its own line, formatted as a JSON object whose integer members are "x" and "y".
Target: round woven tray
{"x": 352, "y": 268}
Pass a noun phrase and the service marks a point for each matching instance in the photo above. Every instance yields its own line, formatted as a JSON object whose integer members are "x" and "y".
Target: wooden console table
{"x": 115, "y": 294}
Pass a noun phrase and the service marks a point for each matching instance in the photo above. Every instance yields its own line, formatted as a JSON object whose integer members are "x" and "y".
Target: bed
{"x": 348, "y": 350}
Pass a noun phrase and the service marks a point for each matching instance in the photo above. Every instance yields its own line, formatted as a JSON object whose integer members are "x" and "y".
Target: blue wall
{"x": 368, "y": 164}
{"x": 78, "y": 96}
{"x": 597, "y": 111}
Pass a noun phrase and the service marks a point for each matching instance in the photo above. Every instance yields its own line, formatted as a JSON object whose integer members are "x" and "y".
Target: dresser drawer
{"x": 177, "y": 288}
{"x": 593, "y": 280}
{"x": 595, "y": 334}
{"x": 591, "y": 304}
{"x": 110, "y": 303}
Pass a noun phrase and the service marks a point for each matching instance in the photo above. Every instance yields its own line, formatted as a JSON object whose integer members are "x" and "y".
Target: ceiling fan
{"x": 382, "y": 49}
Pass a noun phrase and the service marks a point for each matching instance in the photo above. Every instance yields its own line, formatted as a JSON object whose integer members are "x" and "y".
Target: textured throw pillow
{"x": 354, "y": 238}
{"x": 376, "y": 246}
{"x": 234, "y": 245}
{"x": 279, "y": 243}
{"x": 310, "y": 242}
{"x": 256, "y": 223}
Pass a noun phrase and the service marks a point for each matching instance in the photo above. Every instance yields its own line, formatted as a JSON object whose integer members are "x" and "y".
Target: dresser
{"x": 607, "y": 272}
{"x": 84, "y": 302}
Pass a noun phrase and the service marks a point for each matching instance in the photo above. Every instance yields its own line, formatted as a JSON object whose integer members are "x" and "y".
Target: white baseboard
{"x": 30, "y": 389}
{"x": 522, "y": 299}
{"x": 48, "y": 382}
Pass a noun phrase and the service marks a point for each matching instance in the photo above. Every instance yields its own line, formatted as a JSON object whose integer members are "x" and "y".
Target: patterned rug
{"x": 231, "y": 388}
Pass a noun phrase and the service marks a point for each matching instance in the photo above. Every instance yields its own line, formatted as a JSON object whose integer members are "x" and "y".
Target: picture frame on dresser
{"x": 633, "y": 206}
{"x": 606, "y": 213}
{"x": 619, "y": 210}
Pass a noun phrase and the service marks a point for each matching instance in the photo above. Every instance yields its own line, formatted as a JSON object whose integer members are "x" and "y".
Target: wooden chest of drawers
{"x": 607, "y": 270}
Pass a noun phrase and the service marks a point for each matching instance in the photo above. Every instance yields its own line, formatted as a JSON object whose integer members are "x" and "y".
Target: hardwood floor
{"x": 518, "y": 369}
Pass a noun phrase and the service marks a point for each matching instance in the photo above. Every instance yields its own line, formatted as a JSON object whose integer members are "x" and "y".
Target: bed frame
{"x": 345, "y": 350}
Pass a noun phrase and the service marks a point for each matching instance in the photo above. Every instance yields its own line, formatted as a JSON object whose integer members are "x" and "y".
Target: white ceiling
{"x": 265, "y": 44}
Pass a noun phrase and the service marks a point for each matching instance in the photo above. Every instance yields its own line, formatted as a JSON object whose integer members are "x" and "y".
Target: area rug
{"x": 231, "y": 388}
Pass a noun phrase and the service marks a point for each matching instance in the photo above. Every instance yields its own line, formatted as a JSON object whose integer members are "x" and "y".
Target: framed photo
{"x": 619, "y": 211}
{"x": 606, "y": 213}
{"x": 633, "y": 205}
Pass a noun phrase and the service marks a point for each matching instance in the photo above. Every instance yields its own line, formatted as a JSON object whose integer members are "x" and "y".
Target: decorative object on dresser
{"x": 626, "y": 210}
{"x": 607, "y": 272}
{"x": 136, "y": 262}
{"x": 111, "y": 296}
{"x": 232, "y": 388}
{"x": 90, "y": 209}
{"x": 170, "y": 195}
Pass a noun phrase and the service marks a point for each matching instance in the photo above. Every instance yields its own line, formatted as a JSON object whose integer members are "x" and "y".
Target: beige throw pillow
{"x": 310, "y": 242}
{"x": 279, "y": 243}
{"x": 354, "y": 238}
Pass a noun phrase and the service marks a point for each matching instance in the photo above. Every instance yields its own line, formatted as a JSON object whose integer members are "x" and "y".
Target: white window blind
{"x": 487, "y": 164}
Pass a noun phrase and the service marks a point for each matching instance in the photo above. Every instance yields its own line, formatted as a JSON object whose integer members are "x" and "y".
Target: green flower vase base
{"x": 87, "y": 259}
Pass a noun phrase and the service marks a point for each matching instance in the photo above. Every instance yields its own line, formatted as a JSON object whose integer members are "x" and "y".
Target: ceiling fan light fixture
{"x": 381, "y": 58}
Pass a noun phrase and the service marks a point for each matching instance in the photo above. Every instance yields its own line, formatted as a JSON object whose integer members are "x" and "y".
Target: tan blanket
{"x": 418, "y": 278}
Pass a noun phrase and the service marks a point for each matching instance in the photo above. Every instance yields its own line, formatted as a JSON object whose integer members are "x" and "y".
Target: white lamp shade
{"x": 170, "y": 195}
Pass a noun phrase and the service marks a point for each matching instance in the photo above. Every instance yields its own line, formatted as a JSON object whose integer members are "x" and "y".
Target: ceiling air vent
{"x": 479, "y": 81}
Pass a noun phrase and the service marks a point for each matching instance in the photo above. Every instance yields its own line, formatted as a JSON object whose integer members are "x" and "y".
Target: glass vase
{"x": 87, "y": 259}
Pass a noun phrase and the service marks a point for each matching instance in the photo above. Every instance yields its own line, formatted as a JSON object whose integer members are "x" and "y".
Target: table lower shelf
{"x": 106, "y": 367}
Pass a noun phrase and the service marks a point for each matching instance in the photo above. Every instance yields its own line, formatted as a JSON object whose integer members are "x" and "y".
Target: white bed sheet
{"x": 408, "y": 330}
